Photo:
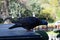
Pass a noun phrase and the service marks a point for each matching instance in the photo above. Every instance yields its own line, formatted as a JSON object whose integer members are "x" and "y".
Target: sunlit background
{"x": 44, "y": 9}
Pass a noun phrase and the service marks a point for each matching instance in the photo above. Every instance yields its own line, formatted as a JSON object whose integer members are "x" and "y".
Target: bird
{"x": 28, "y": 23}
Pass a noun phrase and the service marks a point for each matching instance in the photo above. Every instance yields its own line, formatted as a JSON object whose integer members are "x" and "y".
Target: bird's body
{"x": 28, "y": 23}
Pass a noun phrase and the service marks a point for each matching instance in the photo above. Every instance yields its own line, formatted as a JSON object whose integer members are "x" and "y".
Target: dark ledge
{"x": 7, "y": 34}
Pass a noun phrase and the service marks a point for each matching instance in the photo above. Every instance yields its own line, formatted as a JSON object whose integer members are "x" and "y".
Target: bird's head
{"x": 43, "y": 22}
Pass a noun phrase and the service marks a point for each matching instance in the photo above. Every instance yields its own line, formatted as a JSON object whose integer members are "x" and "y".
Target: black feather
{"x": 28, "y": 23}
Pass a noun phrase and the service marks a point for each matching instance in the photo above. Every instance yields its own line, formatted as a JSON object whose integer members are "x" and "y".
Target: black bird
{"x": 28, "y": 23}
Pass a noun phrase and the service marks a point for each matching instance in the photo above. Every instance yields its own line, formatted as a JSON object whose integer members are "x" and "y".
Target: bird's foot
{"x": 30, "y": 30}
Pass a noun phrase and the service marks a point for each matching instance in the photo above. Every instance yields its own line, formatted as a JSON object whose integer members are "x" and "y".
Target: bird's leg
{"x": 30, "y": 30}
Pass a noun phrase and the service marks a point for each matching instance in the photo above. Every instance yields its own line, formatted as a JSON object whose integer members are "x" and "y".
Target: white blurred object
{"x": 57, "y": 24}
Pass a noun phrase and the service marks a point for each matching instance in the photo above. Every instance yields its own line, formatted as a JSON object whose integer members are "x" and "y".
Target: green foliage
{"x": 51, "y": 20}
{"x": 35, "y": 6}
{"x": 14, "y": 19}
{"x": 27, "y": 13}
{"x": 16, "y": 8}
{"x": 58, "y": 14}
{"x": 46, "y": 16}
{"x": 1, "y": 20}
{"x": 30, "y": 7}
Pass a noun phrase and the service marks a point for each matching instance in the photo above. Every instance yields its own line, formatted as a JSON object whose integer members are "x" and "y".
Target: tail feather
{"x": 14, "y": 26}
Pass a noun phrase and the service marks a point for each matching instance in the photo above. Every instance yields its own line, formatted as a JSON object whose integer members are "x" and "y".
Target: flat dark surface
{"x": 17, "y": 33}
